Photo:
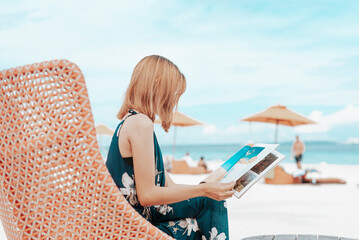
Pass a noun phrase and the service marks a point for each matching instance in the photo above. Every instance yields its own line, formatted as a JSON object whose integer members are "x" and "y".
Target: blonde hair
{"x": 155, "y": 88}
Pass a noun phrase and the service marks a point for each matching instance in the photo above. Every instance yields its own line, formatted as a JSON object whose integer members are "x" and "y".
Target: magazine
{"x": 247, "y": 166}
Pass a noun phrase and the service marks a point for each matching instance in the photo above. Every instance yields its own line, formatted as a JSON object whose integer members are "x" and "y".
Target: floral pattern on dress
{"x": 163, "y": 209}
{"x": 186, "y": 225}
{"x": 213, "y": 235}
{"x": 146, "y": 213}
{"x": 129, "y": 190}
{"x": 172, "y": 224}
{"x": 189, "y": 224}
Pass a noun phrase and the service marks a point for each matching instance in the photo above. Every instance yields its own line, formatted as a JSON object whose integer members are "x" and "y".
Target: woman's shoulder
{"x": 140, "y": 121}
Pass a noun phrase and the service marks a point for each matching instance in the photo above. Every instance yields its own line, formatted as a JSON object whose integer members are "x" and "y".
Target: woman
{"x": 135, "y": 160}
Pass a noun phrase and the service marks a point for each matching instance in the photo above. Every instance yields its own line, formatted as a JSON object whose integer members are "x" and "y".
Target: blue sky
{"x": 239, "y": 57}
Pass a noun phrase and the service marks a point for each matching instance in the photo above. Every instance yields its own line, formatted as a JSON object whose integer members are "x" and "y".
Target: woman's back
{"x": 122, "y": 171}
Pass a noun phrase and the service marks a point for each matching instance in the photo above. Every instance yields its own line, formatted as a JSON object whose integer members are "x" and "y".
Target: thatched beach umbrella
{"x": 103, "y": 129}
{"x": 181, "y": 120}
{"x": 279, "y": 114}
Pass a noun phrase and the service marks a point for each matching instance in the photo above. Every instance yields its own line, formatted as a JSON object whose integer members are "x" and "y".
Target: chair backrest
{"x": 54, "y": 184}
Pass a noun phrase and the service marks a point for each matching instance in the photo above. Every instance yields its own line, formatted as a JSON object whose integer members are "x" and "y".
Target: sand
{"x": 330, "y": 209}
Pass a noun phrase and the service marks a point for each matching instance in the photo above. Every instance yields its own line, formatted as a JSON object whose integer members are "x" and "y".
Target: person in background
{"x": 298, "y": 149}
{"x": 189, "y": 160}
{"x": 202, "y": 163}
{"x": 167, "y": 162}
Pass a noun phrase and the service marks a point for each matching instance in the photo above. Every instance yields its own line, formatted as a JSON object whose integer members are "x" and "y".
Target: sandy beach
{"x": 330, "y": 209}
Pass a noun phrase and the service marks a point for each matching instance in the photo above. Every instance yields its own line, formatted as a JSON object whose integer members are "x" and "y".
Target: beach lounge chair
{"x": 54, "y": 184}
{"x": 279, "y": 176}
{"x": 181, "y": 167}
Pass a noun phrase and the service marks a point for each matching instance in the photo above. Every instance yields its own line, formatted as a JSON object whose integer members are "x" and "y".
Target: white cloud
{"x": 352, "y": 140}
{"x": 316, "y": 116}
{"x": 209, "y": 129}
{"x": 240, "y": 129}
{"x": 231, "y": 130}
{"x": 348, "y": 115}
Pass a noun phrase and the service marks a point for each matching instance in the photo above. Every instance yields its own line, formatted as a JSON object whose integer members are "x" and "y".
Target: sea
{"x": 315, "y": 153}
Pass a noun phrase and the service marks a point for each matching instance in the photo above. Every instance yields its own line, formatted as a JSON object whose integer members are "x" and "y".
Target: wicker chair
{"x": 54, "y": 184}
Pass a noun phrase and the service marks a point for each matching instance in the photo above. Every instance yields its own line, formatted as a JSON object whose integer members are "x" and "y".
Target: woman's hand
{"x": 219, "y": 191}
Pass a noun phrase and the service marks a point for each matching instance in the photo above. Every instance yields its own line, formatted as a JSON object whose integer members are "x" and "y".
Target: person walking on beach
{"x": 136, "y": 165}
{"x": 298, "y": 149}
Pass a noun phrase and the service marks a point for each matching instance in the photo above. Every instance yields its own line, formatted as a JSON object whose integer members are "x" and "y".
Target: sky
{"x": 239, "y": 57}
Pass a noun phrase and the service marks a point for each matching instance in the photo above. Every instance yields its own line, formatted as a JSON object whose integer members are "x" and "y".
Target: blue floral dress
{"x": 195, "y": 218}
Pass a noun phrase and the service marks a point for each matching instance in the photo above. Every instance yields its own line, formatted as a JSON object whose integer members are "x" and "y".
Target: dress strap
{"x": 131, "y": 113}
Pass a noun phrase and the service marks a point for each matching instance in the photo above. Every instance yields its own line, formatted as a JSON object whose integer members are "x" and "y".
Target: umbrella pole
{"x": 276, "y": 133}
{"x": 174, "y": 142}
{"x": 250, "y": 131}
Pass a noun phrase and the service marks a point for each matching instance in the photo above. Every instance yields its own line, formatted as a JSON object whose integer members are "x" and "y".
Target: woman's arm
{"x": 140, "y": 136}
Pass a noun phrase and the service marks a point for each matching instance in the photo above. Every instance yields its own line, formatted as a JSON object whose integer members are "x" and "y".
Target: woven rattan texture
{"x": 54, "y": 184}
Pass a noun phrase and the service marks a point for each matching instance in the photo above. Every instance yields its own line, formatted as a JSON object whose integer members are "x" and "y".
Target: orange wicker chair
{"x": 54, "y": 184}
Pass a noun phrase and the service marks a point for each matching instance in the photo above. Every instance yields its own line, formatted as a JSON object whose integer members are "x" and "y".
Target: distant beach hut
{"x": 180, "y": 120}
{"x": 279, "y": 114}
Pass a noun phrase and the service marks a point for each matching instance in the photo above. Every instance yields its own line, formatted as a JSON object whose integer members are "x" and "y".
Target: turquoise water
{"x": 316, "y": 152}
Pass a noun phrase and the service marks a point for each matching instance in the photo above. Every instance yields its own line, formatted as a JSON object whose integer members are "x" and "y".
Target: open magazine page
{"x": 247, "y": 166}
{"x": 220, "y": 172}
{"x": 255, "y": 173}
{"x": 249, "y": 160}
